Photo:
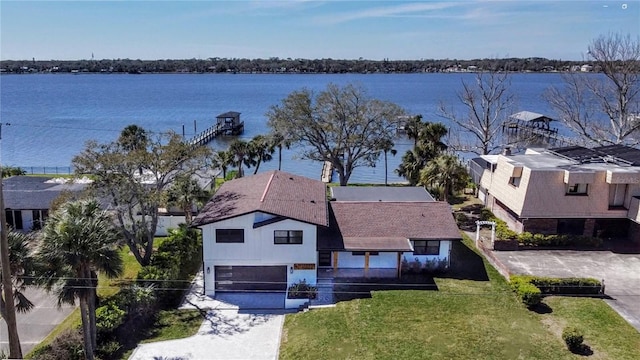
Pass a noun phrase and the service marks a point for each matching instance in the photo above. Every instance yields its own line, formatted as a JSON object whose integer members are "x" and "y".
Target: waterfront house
{"x": 569, "y": 190}
{"x": 269, "y": 231}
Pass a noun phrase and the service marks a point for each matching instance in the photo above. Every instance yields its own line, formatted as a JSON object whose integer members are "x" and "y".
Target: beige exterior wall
{"x": 542, "y": 193}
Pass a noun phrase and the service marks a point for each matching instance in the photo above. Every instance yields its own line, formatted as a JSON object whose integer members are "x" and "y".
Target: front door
{"x": 324, "y": 259}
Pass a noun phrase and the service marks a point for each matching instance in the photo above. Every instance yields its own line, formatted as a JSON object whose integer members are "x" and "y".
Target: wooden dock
{"x": 227, "y": 124}
{"x": 327, "y": 172}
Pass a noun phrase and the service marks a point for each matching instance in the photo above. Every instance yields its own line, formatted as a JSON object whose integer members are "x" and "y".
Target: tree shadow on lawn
{"x": 465, "y": 264}
{"x": 345, "y": 289}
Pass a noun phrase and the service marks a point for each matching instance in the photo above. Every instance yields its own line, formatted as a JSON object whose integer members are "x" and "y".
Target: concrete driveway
{"x": 620, "y": 272}
{"x": 35, "y": 325}
{"x": 237, "y": 326}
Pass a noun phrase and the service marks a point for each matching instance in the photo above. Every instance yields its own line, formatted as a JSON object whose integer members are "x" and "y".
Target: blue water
{"x": 53, "y": 115}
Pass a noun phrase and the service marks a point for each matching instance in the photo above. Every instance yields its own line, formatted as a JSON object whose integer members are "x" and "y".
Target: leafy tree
{"x": 445, "y": 174}
{"x": 185, "y": 192}
{"x": 79, "y": 240}
{"x": 341, "y": 125}
{"x": 429, "y": 145}
{"x": 487, "y": 102}
{"x": 261, "y": 150}
{"x": 603, "y": 109}
{"x": 134, "y": 180}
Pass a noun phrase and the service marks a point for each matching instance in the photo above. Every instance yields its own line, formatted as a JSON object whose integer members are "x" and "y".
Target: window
{"x": 287, "y": 237}
{"x": 577, "y": 189}
{"x": 617, "y": 194}
{"x": 514, "y": 181}
{"x": 14, "y": 219}
{"x": 229, "y": 235}
{"x": 361, "y": 253}
{"x": 426, "y": 247}
{"x": 38, "y": 218}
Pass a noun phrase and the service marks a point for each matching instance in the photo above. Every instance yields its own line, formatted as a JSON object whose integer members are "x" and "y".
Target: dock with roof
{"x": 227, "y": 123}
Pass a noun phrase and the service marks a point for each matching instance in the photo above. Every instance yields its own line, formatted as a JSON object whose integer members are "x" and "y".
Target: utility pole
{"x": 15, "y": 351}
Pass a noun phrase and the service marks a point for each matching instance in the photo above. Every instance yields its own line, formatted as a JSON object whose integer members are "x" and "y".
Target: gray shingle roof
{"x": 380, "y": 193}
{"x": 33, "y": 193}
{"x": 273, "y": 192}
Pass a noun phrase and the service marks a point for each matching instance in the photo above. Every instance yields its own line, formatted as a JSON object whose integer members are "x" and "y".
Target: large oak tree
{"x": 133, "y": 175}
{"x": 341, "y": 125}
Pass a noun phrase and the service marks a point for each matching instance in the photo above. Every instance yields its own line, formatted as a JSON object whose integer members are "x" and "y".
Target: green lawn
{"x": 465, "y": 319}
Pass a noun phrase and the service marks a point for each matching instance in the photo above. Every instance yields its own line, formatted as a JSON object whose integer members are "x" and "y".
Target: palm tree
{"x": 23, "y": 267}
{"x": 429, "y": 145}
{"x": 79, "y": 240}
{"x": 278, "y": 140}
{"x": 387, "y": 146}
{"x": 241, "y": 155}
{"x": 260, "y": 150}
{"x": 446, "y": 174}
{"x": 184, "y": 193}
{"x": 223, "y": 159}
{"x": 413, "y": 127}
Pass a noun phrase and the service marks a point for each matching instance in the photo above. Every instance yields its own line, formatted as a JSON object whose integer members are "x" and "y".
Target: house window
{"x": 577, "y": 189}
{"x": 514, "y": 181}
{"x": 287, "y": 237}
{"x": 617, "y": 194}
{"x": 426, "y": 247}
{"x": 38, "y": 218}
{"x": 361, "y": 253}
{"x": 14, "y": 219}
{"x": 229, "y": 235}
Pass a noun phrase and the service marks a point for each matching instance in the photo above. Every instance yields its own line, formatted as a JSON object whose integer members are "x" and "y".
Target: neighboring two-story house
{"x": 268, "y": 231}
{"x": 570, "y": 190}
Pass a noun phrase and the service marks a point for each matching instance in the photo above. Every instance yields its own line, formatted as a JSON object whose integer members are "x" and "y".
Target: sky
{"x": 376, "y": 30}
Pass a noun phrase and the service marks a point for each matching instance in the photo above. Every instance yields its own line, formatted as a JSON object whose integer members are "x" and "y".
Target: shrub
{"x": 563, "y": 286}
{"x": 108, "y": 350}
{"x": 528, "y": 293}
{"x": 109, "y": 317}
{"x": 302, "y": 290}
{"x": 68, "y": 345}
{"x": 573, "y": 338}
{"x": 461, "y": 218}
{"x": 486, "y": 215}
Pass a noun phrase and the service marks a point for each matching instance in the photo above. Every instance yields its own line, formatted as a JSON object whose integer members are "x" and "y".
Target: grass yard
{"x": 465, "y": 319}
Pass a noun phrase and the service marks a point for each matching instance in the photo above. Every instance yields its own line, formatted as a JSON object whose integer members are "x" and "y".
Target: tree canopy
{"x": 603, "y": 109}
{"x": 341, "y": 125}
{"x": 133, "y": 176}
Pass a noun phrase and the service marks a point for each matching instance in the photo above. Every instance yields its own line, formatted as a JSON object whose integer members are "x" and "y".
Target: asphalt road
{"x": 35, "y": 325}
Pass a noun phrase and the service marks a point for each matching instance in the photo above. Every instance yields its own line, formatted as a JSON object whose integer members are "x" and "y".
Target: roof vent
{"x": 506, "y": 151}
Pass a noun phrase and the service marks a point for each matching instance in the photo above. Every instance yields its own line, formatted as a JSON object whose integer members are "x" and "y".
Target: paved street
{"x": 37, "y": 323}
{"x": 621, "y": 273}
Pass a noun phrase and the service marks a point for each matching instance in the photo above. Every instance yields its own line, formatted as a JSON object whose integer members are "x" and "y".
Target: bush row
{"x": 538, "y": 240}
{"x": 563, "y": 286}
{"x": 530, "y": 289}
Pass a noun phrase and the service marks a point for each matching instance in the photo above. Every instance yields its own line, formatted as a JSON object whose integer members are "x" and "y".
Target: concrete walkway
{"x": 232, "y": 330}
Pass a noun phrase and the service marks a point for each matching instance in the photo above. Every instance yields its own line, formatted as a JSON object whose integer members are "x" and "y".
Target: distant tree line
{"x": 288, "y": 65}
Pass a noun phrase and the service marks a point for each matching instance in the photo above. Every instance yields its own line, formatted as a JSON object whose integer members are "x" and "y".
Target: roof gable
{"x": 274, "y": 192}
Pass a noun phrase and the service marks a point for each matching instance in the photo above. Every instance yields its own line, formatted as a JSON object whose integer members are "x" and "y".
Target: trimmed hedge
{"x": 540, "y": 240}
{"x": 561, "y": 286}
{"x": 528, "y": 293}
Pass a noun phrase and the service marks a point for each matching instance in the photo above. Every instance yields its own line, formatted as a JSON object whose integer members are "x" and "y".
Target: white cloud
{"x": 413, "y": 9}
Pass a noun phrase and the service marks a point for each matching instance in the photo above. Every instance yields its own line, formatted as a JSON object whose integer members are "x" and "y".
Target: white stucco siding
{"x": 259, "y": 249}
{"x": 384, "y": 260}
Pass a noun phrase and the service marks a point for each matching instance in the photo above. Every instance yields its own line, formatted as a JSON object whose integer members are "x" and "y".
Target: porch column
{"x": 335, "y": 261}
{"x": 366, "y": 263}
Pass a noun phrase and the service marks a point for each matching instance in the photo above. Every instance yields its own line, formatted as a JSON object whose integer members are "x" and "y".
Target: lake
{"x": 51, "y": 116}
